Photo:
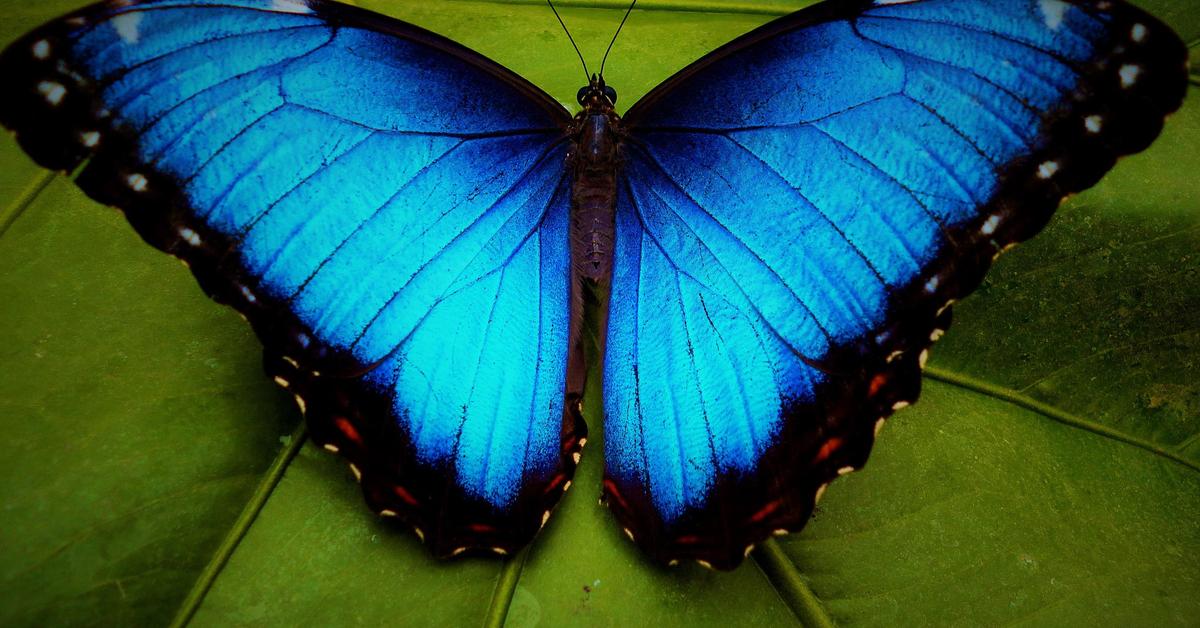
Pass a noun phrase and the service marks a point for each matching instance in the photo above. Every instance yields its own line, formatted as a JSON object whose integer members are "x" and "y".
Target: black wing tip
{"x": 49, "y": 107}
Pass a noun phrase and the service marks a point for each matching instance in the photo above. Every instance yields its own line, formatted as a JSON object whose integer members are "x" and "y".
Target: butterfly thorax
{"x": 594, "y": 159}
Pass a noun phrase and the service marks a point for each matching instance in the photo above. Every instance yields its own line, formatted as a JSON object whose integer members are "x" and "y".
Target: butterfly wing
{"x": 799, "y": 209}
{"x": 388, "y": 210}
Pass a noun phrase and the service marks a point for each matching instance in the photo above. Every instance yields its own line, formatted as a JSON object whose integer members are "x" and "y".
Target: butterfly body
{"x": 594, "y": 161}
{"x": 782, "y": 226}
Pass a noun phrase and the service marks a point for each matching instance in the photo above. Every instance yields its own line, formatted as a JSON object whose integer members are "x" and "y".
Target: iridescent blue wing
{"x": 799, "y": 209}
{"x": 387, "y": 208}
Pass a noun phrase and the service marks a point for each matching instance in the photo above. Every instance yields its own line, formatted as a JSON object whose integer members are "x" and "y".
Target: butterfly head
{"x": 596, "y": 95}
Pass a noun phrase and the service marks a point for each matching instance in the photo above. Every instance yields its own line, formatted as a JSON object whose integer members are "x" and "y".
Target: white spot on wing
{"x": 1093, "y": 123}
{"x": 189, "y": 236}
{"x": 1053, "y": 13}
{"x": 1047, "y": 170}
{"x": 137, "y": 182}
{"x": 291, "y": 6}
{"x": 53, "y": 92}
{"x": 128, "y": 26}
{"x": 931, "y": 285}
{"x": 89, "y": 139}
{"x": 41, "y": 49}
{"x": 1139, "y": 33}
{"x": 1130, "y": 74}
{"x": 989, "y": 225}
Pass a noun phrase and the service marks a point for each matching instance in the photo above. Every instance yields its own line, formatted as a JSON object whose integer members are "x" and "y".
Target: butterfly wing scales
{"x": 388, "y": 210}
{"x": 800, "y": 209}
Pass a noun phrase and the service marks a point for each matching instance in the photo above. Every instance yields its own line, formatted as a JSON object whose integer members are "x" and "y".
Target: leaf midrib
{"x": 1054, "y": 413}
{"x": 241, "y": 527}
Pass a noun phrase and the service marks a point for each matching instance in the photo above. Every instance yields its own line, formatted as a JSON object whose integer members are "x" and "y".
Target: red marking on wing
{"x": 765, "y": 511}
{"x": 481, "y": 528}
{"x": 558, "y": 479}
{"x": 688, "y": 539}
{"x": 404, "y": 495}
{"x": 827, "y": 449}
{"x": 877, "y": 383}
{"x": 611, "y": 487}
{"x": 348, "y": 429}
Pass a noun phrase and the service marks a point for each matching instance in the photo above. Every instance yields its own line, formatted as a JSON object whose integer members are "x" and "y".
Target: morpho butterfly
{"x": 412, "y": 229}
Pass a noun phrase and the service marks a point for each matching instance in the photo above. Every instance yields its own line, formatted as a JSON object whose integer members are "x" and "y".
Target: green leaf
{"x": 1049, "y": 474}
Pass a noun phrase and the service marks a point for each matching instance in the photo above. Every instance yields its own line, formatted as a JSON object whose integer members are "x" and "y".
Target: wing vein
{"x": 915, "y": 55}
{"x": 820, "y": 212}
{"x": 475, "y": 222}
{"x": 725, "y": 270}
{"x": 911, "y": 193}
{"x": 127, "y": 70}
{"x": 1040, "y": 77}
{"x": 691, "y": 351}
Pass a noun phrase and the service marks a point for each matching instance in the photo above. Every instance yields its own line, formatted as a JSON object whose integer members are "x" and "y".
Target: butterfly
{"x": 778, "y": 232}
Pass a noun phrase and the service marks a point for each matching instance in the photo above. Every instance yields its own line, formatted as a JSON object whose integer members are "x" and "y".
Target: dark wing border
{"x": 343, "y": 413}
{"x": 881, "y": 373}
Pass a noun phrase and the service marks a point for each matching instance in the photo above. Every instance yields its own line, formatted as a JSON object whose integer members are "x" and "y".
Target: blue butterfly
{"x": 413, "y": 231}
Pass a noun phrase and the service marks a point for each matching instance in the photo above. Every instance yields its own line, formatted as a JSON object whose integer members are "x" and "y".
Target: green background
{"x": 1049, "y": 475}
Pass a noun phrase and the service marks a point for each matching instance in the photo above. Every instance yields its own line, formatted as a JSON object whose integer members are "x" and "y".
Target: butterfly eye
{"x": 611, "y": 94}
{"x": 582, "y": 95}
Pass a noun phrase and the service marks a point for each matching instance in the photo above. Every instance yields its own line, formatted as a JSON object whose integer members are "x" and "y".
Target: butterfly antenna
{"x": 614, "y": 39}
{"x": 587, "y": 75}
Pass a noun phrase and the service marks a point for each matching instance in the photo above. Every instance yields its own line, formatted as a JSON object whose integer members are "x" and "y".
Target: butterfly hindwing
{"x": 388, "y": 209}
{"x": 800, "y": 208}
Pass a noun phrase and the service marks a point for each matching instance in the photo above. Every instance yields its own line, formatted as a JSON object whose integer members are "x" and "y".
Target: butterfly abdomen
{"x": 594, "y": 160}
